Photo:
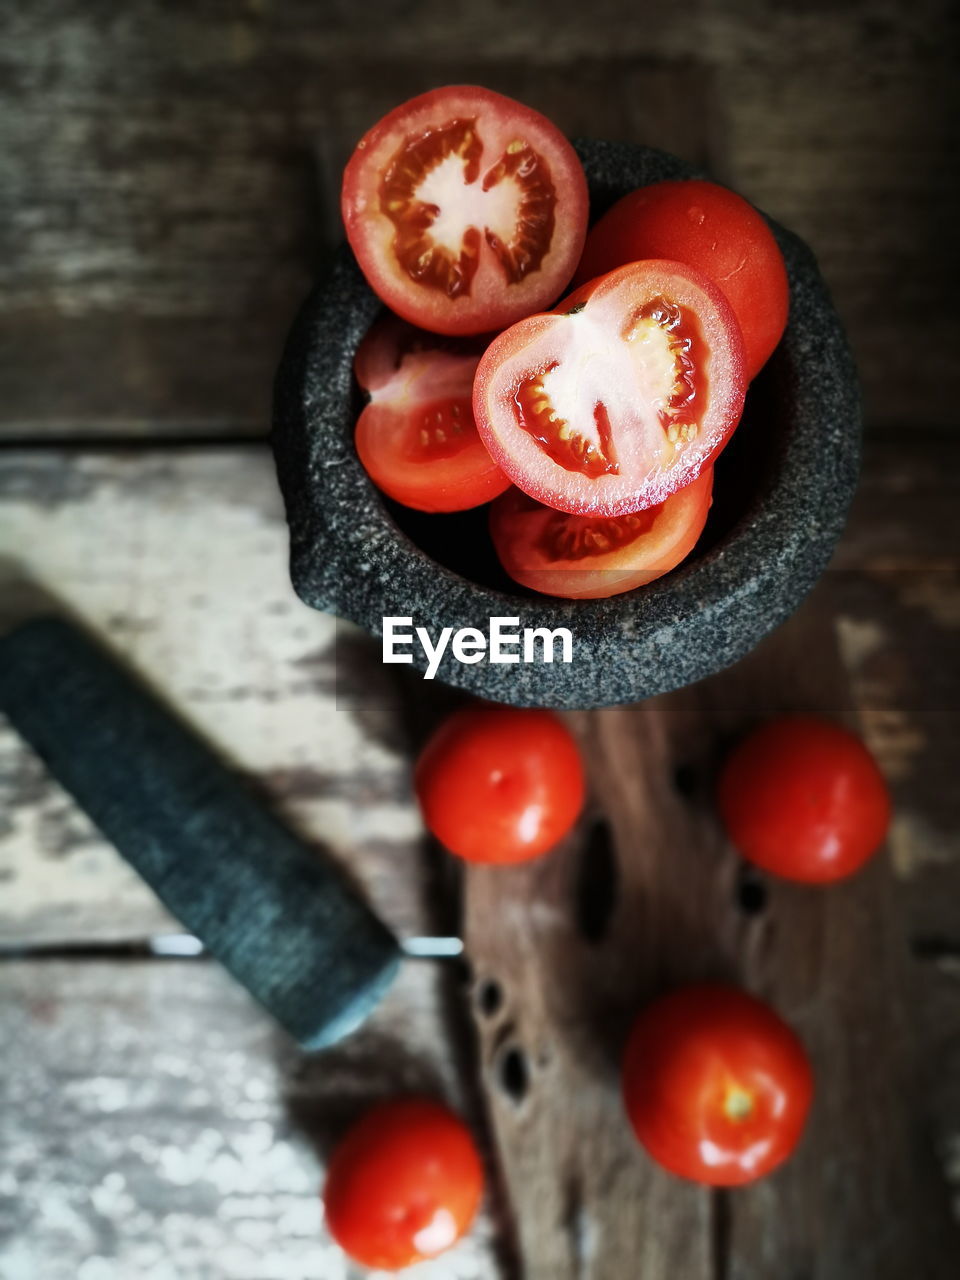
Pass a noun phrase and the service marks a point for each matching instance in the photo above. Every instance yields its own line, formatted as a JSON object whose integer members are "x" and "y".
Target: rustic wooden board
{"x": 155, "y": 1124}
{"x": 203, "y": 1129}
{"x": 680, "y": 907}
{"x": 169, "y": 175}
{"x": 153, "y": 547}
{"x": 179, "y": 560}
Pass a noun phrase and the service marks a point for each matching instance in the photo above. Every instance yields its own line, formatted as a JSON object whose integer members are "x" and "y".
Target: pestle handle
{"x": 277, "y": 915}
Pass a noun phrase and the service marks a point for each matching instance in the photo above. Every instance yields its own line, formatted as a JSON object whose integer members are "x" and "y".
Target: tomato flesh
{"x": 803, "y": 798}
{"x": 620, "y": 397}
{"x": 466, "y": 210}
{"x": 589, "y": 557}
{"x": 498, "y": 784}
{"x": 417, "y": 438}
{"x": 716, "y": 1085}
{"x": 712, "y": 229}
{"x": 403, "y": 1185}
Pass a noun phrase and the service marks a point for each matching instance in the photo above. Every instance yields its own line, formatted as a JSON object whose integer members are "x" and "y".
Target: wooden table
{"x": 169, "y": 182}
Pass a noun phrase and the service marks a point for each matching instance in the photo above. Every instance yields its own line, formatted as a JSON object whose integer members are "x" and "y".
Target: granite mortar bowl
{"x": 783, "y": 486}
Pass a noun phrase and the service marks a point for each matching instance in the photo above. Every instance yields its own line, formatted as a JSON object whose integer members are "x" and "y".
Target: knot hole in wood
{"x": 596, "y": 882}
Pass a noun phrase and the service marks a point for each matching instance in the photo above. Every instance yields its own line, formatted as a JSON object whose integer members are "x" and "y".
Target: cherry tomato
{"x": 712, "y": 229}
{"x": 716, "y": 1085}
{"x": 403, "y": 1185}
{"x": 417, "y": 438}
{"x": 803, "y": 798}
{"x": 497, "y": 784}
{"x": 590, "y": 557}
{"x": 466, "y": 210}
{"x": 621, "y": 397}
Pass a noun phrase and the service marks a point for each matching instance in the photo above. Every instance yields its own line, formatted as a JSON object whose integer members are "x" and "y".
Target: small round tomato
{"x": 590, "y": 557}
{"x": 417, "y": 438}
{"x": 403, "y": 1185}
{"x": 621, "y": 397}
{"x": 716, "y": 1085}
{"x": 712, "y": 229}
{"x": 466, "y": 210}
{"x": 803, "y": 798}
{"x": 498, "y": 784}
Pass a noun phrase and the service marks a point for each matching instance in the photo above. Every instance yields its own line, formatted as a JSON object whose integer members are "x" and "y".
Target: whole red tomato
{"x": 404, "y": 1184}
{"x": 716, "y": 1085}
{"x": 498, "y": 784}
{"x": 803, "y": 798}
{"x": 712, "y": 229}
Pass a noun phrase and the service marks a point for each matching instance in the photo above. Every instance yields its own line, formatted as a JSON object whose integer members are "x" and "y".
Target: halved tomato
{"x": 466, "y": 210}
{"x": 590, "y": 557}
{"x": 416, "y": 438}
{"x": 620, "y": 397}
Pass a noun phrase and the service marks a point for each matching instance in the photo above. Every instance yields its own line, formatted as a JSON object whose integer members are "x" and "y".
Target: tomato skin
{"x": 500, "y": 784}
{"x": 493, "y": 299}
{"x": 522, "y": 531}
{"x": 708, "y": 227}
{"x": 803, "y": 798}
{"x": 416, "y": 438}
{"x": 587, "y": 342}
{"x": 403, "y": 1185}
{"x": 717, "y": 1087}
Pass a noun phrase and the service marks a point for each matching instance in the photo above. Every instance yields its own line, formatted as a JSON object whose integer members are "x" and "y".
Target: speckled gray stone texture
{"x": 281, "y": 919}
{"x": 783, "y": 487}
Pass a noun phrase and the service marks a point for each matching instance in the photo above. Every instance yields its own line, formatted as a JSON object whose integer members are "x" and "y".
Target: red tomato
{"x": 803, "y": 798}
{"x": 589, "y": 557}
{"x": 620, "y": 397}
{"x": 417, "y": 438}
{"x": 403, "y": 1185}
{"x": 466, "y": 210}
{"x": 716, "y": 1085}
{"x": 712, "y": 229}
{"x": 497, "y": 784}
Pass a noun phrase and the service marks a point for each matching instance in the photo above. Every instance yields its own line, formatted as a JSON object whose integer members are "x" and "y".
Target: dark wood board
{"x": 680, "y": 906}
{"x": 169, "y": 173}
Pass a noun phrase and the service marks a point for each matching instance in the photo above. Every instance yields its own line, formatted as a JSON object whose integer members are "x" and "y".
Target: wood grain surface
{"x": 177, "y": 555}
{"x": 169, "y": 179}
{"x": 169, "y": 174}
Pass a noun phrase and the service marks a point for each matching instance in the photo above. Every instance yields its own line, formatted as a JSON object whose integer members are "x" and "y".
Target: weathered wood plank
{"x": 169, "y": 175}
{"x": 568, "y": 982}
{"x": 194, "y": 592}
{"x": 153, "y": 1123}
{"x": 198, "y": 576}
{"x": 179, "y": 560}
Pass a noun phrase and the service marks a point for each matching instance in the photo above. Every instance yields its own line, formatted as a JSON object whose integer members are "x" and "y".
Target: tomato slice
{"x": 712, "y": 229}
{"x": 590, "y": 557}
{"x": 620, "y": 397}
{"x": 466, "y": 210}
{"x": 417, "y": 438}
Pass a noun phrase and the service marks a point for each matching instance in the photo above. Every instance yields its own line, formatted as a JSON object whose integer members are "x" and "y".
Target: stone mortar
{"x": 783, "y": 487}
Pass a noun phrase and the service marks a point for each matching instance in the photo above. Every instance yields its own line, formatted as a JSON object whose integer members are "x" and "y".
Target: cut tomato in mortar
{"x": 712, "y": 229}
{"x": 618, "y": 398}
{"x": 416, "y": 438}
{"x": 466, "y": 210}
{"x": 590, "y": 557}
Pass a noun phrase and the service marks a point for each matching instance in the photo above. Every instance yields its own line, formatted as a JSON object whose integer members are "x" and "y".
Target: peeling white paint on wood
{"x": 179, "y": 560}
{"x": 154, "y": 1124}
